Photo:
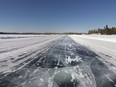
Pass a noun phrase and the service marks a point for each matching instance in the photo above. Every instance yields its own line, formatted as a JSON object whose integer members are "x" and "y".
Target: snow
{"x": 103, "y": 45}
{"x": 109, "y": 38}
{"x": 17, "y": 35}
{"x": 16, "y": 48}
{"x": 69, "y": 59}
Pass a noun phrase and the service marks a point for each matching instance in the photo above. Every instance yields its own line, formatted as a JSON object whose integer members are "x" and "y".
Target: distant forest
{"x": 105, "y": 31}
{"x": 33, "y": 33}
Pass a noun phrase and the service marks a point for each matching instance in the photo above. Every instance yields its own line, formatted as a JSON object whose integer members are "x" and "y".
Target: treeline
{"x": 33, "y": 33}
{"x": 70, "y": 33}
{"x": 27, "y": 33}
{"x": 105, "y": 31}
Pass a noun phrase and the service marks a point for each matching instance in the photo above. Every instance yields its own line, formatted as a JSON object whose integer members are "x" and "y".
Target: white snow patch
{"x": 69, "y": 59}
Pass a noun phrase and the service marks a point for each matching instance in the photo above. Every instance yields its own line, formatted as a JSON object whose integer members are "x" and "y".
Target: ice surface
{"x": 52, "y": 61}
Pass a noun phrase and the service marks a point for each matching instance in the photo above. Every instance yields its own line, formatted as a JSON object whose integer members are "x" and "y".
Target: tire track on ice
{"x": 13, "y": 48}
{"x": 13, "y": 58}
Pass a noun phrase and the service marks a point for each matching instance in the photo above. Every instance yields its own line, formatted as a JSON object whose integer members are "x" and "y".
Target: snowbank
{"x": 103, "y": 45}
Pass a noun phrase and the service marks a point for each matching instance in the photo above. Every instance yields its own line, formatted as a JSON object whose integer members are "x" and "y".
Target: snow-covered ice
{"x": 54, "y": 61}
{"x": 13, "y": 49}
{"x": 109, "y": 38}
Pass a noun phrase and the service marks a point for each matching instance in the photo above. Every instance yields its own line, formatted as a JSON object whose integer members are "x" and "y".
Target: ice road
{"x": 51, "y": 61}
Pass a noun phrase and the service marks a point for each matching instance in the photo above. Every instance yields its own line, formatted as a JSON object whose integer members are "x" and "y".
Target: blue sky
{"x": 56, "y": 15}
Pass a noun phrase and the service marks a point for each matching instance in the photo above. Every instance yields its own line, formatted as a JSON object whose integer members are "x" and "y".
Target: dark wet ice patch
{"x": 64, "y": 79}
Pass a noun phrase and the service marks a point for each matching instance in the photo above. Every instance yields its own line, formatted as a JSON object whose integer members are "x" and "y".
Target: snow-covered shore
{"x": 109, "y": 38}
{"x": 103, "y": 45}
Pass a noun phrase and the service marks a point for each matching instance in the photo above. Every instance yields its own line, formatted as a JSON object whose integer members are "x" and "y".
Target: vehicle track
{"x": 13, "y": 48}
